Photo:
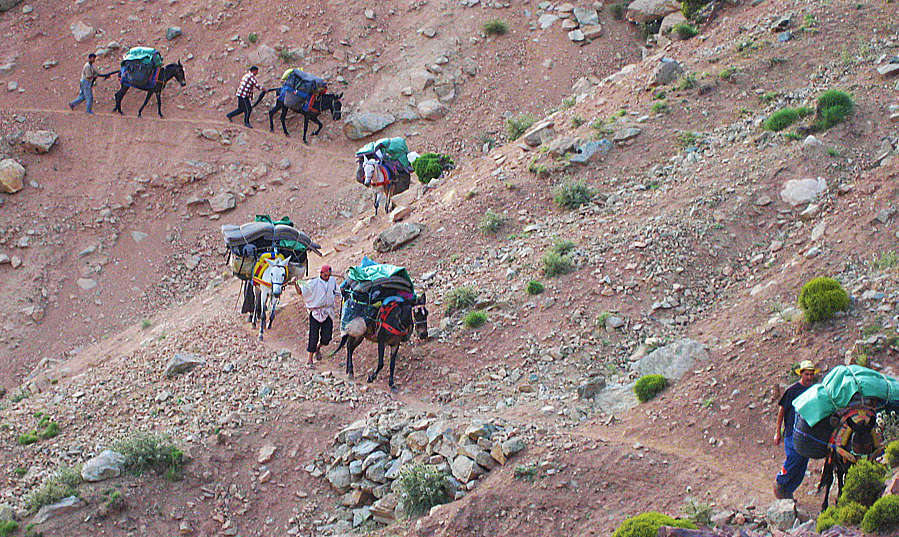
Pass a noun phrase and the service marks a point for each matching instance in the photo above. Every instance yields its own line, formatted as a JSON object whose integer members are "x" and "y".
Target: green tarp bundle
{"x": 367, "y": 273}
{"x": 395, "y": 148}
{"x": 839, "y": 386}
{"x": 144, "y": 55}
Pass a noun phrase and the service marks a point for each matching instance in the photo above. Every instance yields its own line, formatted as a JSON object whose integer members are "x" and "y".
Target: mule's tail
{"x": 342, "y": 343}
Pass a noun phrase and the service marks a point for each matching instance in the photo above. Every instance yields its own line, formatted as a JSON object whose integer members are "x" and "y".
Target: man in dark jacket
{"x": 793, "y": 470}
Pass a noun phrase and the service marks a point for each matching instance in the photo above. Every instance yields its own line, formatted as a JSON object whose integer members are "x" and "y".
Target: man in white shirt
{"x": 320, "y": 295}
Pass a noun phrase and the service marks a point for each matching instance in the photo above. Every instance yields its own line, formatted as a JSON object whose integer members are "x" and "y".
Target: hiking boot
{"x": 71, "y": 106}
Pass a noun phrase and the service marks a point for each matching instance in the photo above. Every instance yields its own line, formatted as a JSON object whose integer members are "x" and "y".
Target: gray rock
{"x": 86, "y": 284}
{"x": 397, "y": 235}
{"x": 591, "y": 31}
{"x": 284, "y": 163}
{"x": 576, "y": 36}
{"x": 586, "y": 16}
{"x": 800, "y": 191}
{"x": 512, "y": 446}
{"x": 432, "y": 109}
{"x": 376, "y": 472}
{"x": 540, "y": 133}
{"x": 81, "y": 31}
{"x": 66, "y": 505}
{"x": 626, "y": 133}
{"x": 670, "y": 21}
{"x": 465, "y": 469}
{"x": 182, "y": 363}
{"x": 561, "y": 145}
{"x": 613, "y": 322}
{"x": 781, "y": 514}
{"x": 223, "y": 202}
{"x": 264, "y": 55}
{"x": 667, "y": 71}
{"x": 672, "y": 361}
{"x": 587, "y": 150}
{"x": 39, "y": 141}
{"x": 651, "y": 10}
{"x": 172, "y": 32}
{"x": 589, "y": 389}
{"x": 12, "y": 175}
{"x": 6, "y": 5}
{"x": 362, "y": 124}
{"x": 546, "y": 20}
{"x": 7, "y": 512}
{"x": 138, "y": 236}
{"x": 339, "y": 478}
{"x": 106, "y": 465}
{"x": 888, "y": 69}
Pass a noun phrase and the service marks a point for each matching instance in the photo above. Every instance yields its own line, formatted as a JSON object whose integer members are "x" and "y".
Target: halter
{"x": 840, "y": 440}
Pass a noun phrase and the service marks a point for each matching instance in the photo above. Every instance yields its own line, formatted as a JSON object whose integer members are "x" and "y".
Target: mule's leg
{"x": 374, "y": 374}
{"x": 271, "y": 316}
{"x": 118, "y": 98}
{"x": 393, "y": 366}
{"x": 351, "y": 345}
{"x": 159, "y": 102}
{"x": 262, "y": 317}
{"x": 826, "y": 480}
{"x": 283, "y": 120}
{"x": 305, "y": 127}
{"x": 315, "y": 120}
{"x": 141, "y": 109}
{"x": 841, "y": 468}
{"x": 271, "y": 116}
{"x": 376, "y": 203}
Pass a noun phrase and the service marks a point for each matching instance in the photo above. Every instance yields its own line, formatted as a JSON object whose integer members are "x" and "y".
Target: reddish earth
{"x": 706, "y": 437}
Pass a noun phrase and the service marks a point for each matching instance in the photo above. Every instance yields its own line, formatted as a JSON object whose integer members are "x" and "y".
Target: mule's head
{"x": 420, "y": 316}
{"x": 277, "y": 274}
{"x": 179, "y": 73}
{"x": 336, "y": 105}
{"x": 864, "y": 437}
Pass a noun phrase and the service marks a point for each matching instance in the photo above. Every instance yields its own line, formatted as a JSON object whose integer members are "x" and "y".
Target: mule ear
{"x": 340, "y": 95}
{"x": 423, "y": 299}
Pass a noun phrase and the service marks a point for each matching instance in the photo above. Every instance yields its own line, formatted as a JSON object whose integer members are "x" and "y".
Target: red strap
{"x": 382, "y": 319}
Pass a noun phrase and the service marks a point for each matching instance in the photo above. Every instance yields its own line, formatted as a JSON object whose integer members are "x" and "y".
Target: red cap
{"x": 326, "y": 268}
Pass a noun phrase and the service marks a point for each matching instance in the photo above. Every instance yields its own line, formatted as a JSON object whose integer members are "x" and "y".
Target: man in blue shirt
{"x": 793, "y": 470}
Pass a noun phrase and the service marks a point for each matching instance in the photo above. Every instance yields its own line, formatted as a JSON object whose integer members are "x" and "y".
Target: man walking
{"x": 320, "y": 295}
{"x": 245, "y": 95}
{"x": 793, "y": 470}
{"x": 89, "y": 75}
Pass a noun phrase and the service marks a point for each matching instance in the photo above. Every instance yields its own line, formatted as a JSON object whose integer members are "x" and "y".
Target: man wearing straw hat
{"x": 793, "y": 470}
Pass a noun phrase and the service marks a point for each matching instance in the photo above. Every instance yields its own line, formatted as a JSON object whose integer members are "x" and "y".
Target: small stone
{"x": 266, "y": 453}
{"x": 172, "y": 32}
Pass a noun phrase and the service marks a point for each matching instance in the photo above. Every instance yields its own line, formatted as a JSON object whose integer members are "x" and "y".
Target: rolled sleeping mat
{"x": 812, "y": 442}
{"x": 246, "y": 233}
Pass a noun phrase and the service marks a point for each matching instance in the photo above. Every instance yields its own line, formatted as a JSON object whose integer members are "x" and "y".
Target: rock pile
{"x": 369, "y": 455}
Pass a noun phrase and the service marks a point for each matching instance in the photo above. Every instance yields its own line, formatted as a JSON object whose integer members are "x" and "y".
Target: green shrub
{"x": 727, "y": 73}
{"x": 422, "y": 487}
{"x": 685, "y": 30}
{"x": 60, "y": 485}
{"x": 687, "y": 139}
{"x": 461, "y": 298}
{"x": 781, "y": 119}
{"x": 864, "y": 483}
{"x": 688, "y": 81}
{"x": 287, "y": 56}
{"x": 495, "y": 27}
{"x": 28, "y": 438}
{"x": 820, "y": 298}
{"x": 769, "y": 97}
{"x": 883, "y": 516}
{"x": 618, "y": 10}
{"x": 648, "y": 524}
{"x": 555, "y": 264}
{"x": 660, "y": 107}
{"x": 525, "y": 472}
{"x": 887, "y": 260}
{"x": 892, "y": 453}
{"x": 699, "y": 513}
{"x": 826, "y": 519}
{"x": 20, "y": 471}
{"x": 491, "y": 222}
{"x": 834, "y": 107}
{"x": 430, "y": 166}
{"x": 475, "y": 319}
{"x": 573, "y": 194}
{"x": 253, "y": 37}
{"x": 147, "y": 451}
{"x": 564, "y": 247}
{"x": 648, "y": 386}
{"x": 7, "y": 527}
{"x": 145, "y": 323}
{"x": 849, "y": 514}
{"x": 691, "y": 7}
{"x": 534, "y": 287}
{"x": 49, "y": 431}
{"x": 518, "y": 125}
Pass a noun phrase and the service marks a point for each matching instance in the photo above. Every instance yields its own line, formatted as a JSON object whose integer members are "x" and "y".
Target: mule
{"x": 374, "y": 174}
{"x": 327, "y": 101}
{"x": 395, "y": 323}
{"x": 267, "y": 288}
{"x": 170, "y": 71}
{"x": 845, "y": 450}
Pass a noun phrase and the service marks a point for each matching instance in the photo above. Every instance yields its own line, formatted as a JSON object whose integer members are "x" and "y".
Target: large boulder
{"x": 263, "y": 54}
{"x": 540, "y": 133}
{"x": 799, "y": 191}
{"x": 6, "y": 5}
{"x": 12, "y": 175}
{"x": 651, "y": 10}
{"x": 672, "y": 361}
{"x": 397, "y": 235}
{"x": 432, "y": 109}
{"x": 66, "y": 505}
{"x": 465, "y": 469}
{"x": 223, "y": 202}
{"x": 182, "y": 363}
{"x": 586, "y": 16}
{"x": 364, "y": 124}
{"x": 781, "y": 514}
{"x": 670, "y": 21}
{"x": 81, "y": 31}
{"x": 106, "y": 465}
{"x": 666, "y": 71}
{"x": 39, "y": 141}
